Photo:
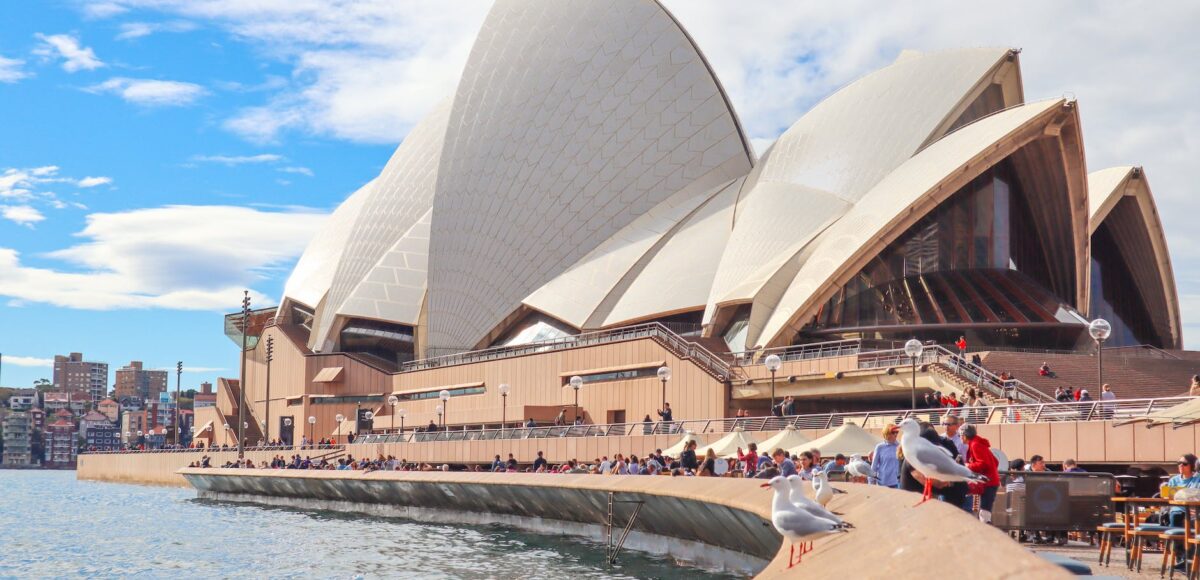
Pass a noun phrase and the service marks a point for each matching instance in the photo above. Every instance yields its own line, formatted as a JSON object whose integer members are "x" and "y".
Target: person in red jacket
{"x": 981, "y": 460}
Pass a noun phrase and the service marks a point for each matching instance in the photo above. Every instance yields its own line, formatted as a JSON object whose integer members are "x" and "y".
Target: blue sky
{"x": 158, "y": 156}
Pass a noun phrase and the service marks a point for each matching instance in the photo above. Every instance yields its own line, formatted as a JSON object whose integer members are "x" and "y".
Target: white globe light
{"x": 773, "y": 362}
{"x": 576, "y": 382}
{"x": 1100, "y": 329}
{"x": 312, "y": 420}
{"x": 393, "y": 400}
{"x": 504, "y": 388}
{"x": 439, "y": 409}
{"x": 664, "y": 373}
{"x": 402, "y": 412}
{"x": 444, "y": 395}
{"x": 913, "y": 348}
{"x": 368, "y": 415}
{"x": 227, "y": 426}
{"x": 339, "y": 418}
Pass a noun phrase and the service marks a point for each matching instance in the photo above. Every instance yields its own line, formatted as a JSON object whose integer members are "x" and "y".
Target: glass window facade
{"x": 433, "y": 394}
{"x": 1116, "y": 298}
{"x": 346, "y": 399}
{"x": 386, "y": 344}
{"x": 974, "y": 261}
{"x": 623, "y": 375}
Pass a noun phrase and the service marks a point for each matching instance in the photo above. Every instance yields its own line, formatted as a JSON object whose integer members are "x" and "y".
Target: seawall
{"x": 715, "y": 522}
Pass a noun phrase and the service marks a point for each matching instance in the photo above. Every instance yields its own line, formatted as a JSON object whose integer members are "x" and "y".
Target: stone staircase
{"x": 947, "y": 373}
{"x": 1130, "y": 376}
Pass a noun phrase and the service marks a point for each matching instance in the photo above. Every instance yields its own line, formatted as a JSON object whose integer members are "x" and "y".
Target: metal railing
{"x": 1120, "y": 409}
{"x": 215, "y": 449}
{"x": 989, "y": 381}
{"x": 811, "y": 351}
{"x": 654, "y": 330}
{"x": 1115, "y": 410}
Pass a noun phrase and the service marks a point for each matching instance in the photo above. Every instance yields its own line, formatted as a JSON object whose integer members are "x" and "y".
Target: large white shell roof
{"x": 590, "y": 167}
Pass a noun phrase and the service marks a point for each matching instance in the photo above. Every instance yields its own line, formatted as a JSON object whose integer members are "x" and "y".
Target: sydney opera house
{"x": 587, "y": 203}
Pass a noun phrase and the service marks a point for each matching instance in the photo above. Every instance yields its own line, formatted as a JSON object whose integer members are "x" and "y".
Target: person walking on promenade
{"x": 884, "y": 462}
{"x": 687, "y": 459}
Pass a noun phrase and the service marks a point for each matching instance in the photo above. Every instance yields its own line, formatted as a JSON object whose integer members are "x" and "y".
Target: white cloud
{"x": 27, "y": 361}
{"x": 301, "y": 170}
{"x": 94, "y": 181}
{"x": 134, "y": 30}
{"x": 178, "y": 257}
{"x": 74, "y": 55}
{"x": 363, "y": 71}
{"x": 21, "y": 214}
{"x": 11, "y": 70}
{"x": 239, "y": 159}
{"x": 188, "y": 369}
{"x": 150, "y": 92}
{"x": 95, "y": 9}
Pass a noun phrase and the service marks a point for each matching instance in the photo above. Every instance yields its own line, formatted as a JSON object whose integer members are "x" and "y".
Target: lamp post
{"x": 178, "y": 379}
{"x": 441, "y": 423}
{"x": 576, "y": 384}
{"x": 444, "y": 395}
{"x": 664, "y": 375}
{"x": 1100, "y": 330}
{"x": 913, "y": 348}
{"x": 357, "y": 418}
{"x": 393, "y": 400}
{"x": 403, "y": 412}
{"x": 503, "y": 403}
{"x": 127, "y": 439}
{"x": 312, "y": 421}
{"x": 368, "y": 416}
{"x": 339, "y": 418}
{"x": 227, "y": 429}
{"x": 773, "y": 362}
{"x": 270, "y": 357}
{"x": 242, "y": 381}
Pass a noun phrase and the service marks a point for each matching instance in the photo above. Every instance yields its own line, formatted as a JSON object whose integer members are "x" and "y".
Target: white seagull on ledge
{"x": 933, "y": 461}
{"x": 795, "y": 524}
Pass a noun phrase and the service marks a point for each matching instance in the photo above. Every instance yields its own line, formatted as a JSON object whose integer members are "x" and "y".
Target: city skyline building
{"x": 72, "y": 373}
{"x": 133, "y": 381}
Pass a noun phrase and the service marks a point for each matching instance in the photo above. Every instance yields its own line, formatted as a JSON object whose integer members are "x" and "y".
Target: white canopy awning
{"x": 849, "y": 439}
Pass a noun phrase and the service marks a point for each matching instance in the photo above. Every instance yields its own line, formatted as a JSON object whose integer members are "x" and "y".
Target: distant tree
{"x": 42, "y": 385}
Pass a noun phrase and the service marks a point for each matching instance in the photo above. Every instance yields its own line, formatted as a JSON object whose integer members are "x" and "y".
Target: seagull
{"x": 859, "y": 468}
{"x": 813, "y": 508}
{"x": 822, "y": 490}
{"x": 932, "y": 461}
{"x": 793, "y": 523}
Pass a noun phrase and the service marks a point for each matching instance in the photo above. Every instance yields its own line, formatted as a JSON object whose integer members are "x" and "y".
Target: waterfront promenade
{"x": 685, "y": 517}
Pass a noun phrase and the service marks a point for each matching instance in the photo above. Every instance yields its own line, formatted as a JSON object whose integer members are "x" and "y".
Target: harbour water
{"x": 55, "y": 526}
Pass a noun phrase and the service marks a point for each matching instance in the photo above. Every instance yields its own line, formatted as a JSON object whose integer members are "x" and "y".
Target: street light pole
{"x": 403, "y": 412}
{"x": 664, "y": 375}
{"x": 242, "y": 381}
{"x": 503, "y": 403}
{"x": 270, "y": 357}
{"x": 1100, "y": 330}
{"x": 773, "y": 362}
{"x": 311, "y": 422}
{"x": 913, "y": 348}
{"x": 576, "y": 382}
{"x": 178, "y": 380}
{"x": 392, "y": 400}
{"x": 444, "y": 395}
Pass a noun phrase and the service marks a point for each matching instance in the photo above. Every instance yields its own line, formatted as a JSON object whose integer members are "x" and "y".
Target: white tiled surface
{"x": 571, "y": 120}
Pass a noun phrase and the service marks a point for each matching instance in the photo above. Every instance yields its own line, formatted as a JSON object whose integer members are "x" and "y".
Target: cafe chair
{"x": 1170, "y": 539}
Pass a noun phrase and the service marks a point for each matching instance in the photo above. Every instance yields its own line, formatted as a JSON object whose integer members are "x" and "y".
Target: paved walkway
{"x": 1088, "y": 555}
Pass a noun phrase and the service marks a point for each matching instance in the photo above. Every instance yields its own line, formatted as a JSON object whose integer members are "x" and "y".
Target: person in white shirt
{"x": 1107, "y": 396}
{"x": 951, "y": 423}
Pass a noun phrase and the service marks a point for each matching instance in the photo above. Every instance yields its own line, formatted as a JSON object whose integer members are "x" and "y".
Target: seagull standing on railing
{"x": 795, "y": 524}
{"x": 932, "y": 461}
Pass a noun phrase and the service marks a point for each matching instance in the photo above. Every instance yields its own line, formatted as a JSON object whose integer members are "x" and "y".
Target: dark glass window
{"x": 616, "y": 375}
{"x": 347, "y": 399}
{"x": 385, "y": 343}
{"x": 423, "y": 395}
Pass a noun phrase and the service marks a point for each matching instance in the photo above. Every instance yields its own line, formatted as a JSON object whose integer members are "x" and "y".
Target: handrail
{"x": 1050, "y": 412}
{"x": 809, "y": 351}
{"x": 990, "y": 381}
{"x": 678, "y": 344}
{"x": 297, "y": 447}
{"x": 1026, "y": 413}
